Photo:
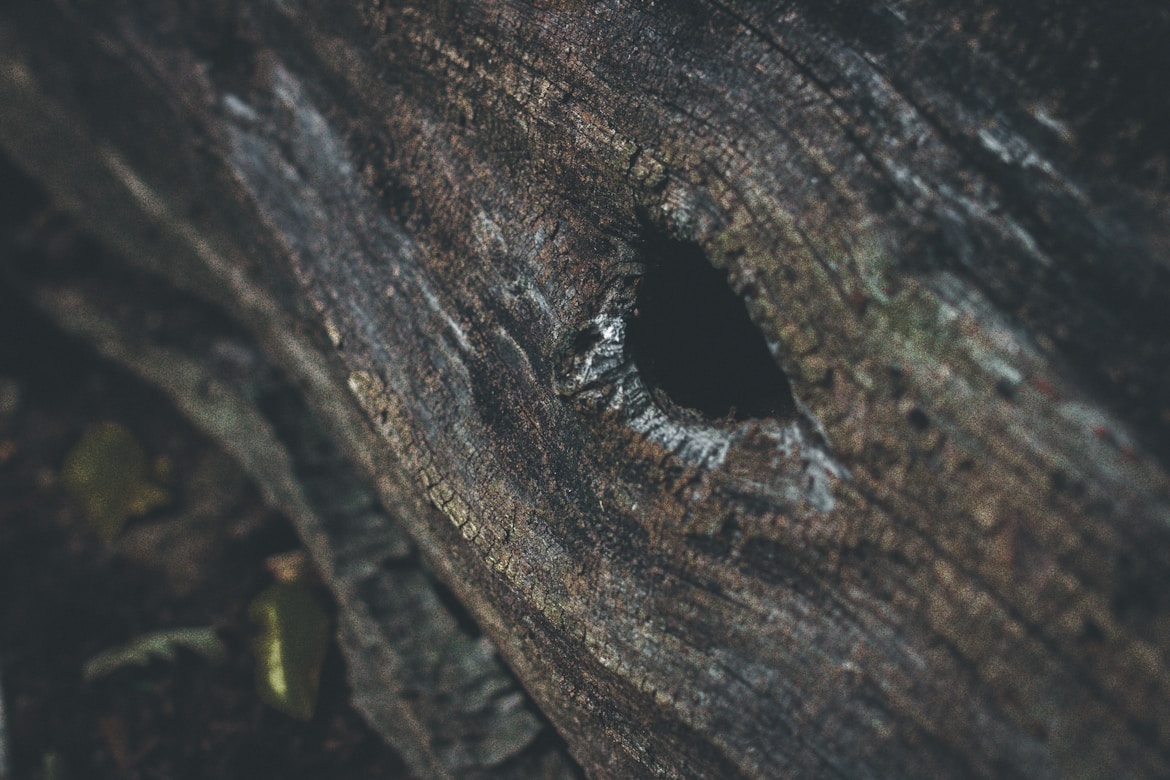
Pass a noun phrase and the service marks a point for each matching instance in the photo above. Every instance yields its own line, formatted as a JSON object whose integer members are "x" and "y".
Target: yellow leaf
{"x": 107, "y": 473}
{"x": 292, "y": 637}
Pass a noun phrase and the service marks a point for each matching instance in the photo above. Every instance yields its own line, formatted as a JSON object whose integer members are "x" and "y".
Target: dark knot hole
{"x": 692, "y": 340}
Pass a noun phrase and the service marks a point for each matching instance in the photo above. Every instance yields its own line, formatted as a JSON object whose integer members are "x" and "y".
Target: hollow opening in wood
{"x": 693, "y": 342}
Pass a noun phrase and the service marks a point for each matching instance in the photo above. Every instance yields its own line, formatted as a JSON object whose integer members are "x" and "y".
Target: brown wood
{"x": 470, "y": 235}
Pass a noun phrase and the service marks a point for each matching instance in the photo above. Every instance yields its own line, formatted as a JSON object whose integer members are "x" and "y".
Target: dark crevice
{"x": 695, "y": 345}
{"x": 467, "y": 624}
{"x": 918, "y": 419}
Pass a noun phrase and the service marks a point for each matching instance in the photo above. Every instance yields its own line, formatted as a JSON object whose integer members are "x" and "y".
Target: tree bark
{"x": 457, "y": 258}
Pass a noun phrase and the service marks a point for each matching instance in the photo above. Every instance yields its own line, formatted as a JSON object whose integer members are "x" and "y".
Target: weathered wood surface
{"x": 945, "y": 553}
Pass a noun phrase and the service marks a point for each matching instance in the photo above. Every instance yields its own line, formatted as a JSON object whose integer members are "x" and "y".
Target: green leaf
{"x": 157, "y": 644}
{"x": 293, "y": 634}
{"x": 107, "y": 473}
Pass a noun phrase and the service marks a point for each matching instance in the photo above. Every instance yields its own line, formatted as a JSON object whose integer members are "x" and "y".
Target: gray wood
{"x": 936, "y": 547}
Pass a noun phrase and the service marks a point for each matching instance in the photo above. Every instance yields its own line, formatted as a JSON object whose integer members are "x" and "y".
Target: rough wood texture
{"x": 937, "y": 546}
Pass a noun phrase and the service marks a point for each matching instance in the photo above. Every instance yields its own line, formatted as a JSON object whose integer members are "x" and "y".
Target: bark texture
{"x": 465, "y": 255}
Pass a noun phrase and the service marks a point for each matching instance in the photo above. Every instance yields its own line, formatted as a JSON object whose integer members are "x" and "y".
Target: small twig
{"x": 3, "y": 737}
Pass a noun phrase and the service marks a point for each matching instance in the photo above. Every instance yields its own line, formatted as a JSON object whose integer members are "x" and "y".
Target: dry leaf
{"x": 107, "y": 473}
{"x": 289, "y": 647}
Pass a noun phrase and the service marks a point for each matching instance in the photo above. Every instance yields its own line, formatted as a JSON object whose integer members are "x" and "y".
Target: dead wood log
{"x": 783, "y": 389}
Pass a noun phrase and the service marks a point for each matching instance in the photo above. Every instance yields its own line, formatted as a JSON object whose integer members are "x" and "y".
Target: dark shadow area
{"x": 66, "y": 596}
{"x": 692, "y": 340}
